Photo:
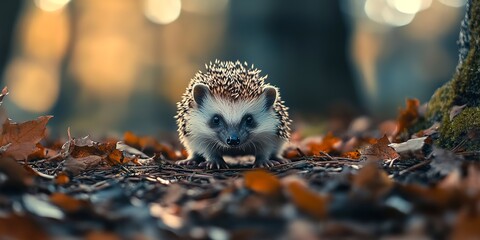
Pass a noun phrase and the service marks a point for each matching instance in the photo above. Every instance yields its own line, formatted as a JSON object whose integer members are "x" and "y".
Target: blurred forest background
{"x": 104, "y": 67}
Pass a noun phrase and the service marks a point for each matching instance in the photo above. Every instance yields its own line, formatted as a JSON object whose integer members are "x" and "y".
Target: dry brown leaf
{"x": 67, "y": 203}
{"x": 456, "y": 110}
{"x": 444, "y": 161}
{"x": 432, "y": 130}
{"x": 413, "y": 148}
{"x": 307, "y": 201}
{"x": 328, "y": 144}
{"x": 23, "y": 137}
{"x": 147, "y": 143}
{"x": 351, "y": 155}
{"x": 17, "y": 177}
{"x": 262, "y": 182}
{"x": 62, "y": 178}
{"x": 467, "y": 225}
{"x": 21, "y": 227}
{"x": 371, "y": 182}
{"x": 3, "y": 94}
{"x": 379, "y": 151}
{"x": 115, "y": 157}
{"x": 77, "y": 165}
{"x": 408, "y": 116}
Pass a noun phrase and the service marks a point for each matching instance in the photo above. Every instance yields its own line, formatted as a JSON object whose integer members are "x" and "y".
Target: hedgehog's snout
{"x": 233, "y": 140}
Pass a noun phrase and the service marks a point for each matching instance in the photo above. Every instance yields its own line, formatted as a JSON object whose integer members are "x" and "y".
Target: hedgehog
{"x": 230, "y": 111}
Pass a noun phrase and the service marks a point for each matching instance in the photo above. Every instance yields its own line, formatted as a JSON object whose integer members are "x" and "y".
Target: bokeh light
{"x": 51, "y": 5}
{"x": 379, "y": 11}
{"x": 162, "y": 11}
{"x": 33, "y": 87}
{"x": 406, "y": 6}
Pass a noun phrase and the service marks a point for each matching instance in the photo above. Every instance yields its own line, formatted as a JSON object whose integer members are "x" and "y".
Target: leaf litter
{"x": 355, "y": 184}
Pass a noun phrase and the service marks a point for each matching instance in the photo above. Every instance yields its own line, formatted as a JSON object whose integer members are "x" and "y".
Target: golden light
{"x": 162, "y": 11}
{"x": 379, "y": 11}
{"x": 106, "y": 65}
{"x": 51, "y": 5}
{"x": 34, "y": 87}
{"x": 454, "y": 3}
{"x": 406, "y": 6}
{"x": 44, "y": 35}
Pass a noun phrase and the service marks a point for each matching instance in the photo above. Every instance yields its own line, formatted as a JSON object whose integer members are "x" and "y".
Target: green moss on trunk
{"x": 464, "y": 88}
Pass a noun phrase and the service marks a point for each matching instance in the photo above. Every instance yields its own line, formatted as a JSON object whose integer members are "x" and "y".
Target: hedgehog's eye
{"x": 216, "y": 120}
{"x": 249, "y": 121}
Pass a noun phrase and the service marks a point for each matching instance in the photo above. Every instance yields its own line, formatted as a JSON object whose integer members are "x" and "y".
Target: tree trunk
{"x": 463, "y": 89}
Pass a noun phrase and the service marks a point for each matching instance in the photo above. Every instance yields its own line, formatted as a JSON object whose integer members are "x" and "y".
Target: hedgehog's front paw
{"x": 280, "y": 159}
{"x": 264, "y": 163}
{"x": 195, "y": 160}
{"x": 191, "y": 162}
{"x": 214, "y": 164}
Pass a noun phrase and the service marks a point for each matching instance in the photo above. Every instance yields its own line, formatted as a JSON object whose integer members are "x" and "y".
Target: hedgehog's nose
{"x": 233, "y": 140}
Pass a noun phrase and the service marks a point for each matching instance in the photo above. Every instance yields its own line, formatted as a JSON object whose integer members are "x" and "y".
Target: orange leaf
{"x": 115, "y": 157}
{"x": 21, "y": 227}
{"x": 62, "y": 178}
{"x": 328, "y": 144}
{"x": 262, "y": 182}
{"x": 351, "y": 155}
{"x": 307, "y": 201}
{"x": 379, "y": 151}
{"x": 23, "y": 137}
{"x": 67, "y": 203}
{"x": 408, "y": 116}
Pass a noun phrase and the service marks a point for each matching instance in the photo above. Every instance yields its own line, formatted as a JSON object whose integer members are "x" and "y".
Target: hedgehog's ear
{"x": 200, "y": 92}
{"x": 270, "y": 96}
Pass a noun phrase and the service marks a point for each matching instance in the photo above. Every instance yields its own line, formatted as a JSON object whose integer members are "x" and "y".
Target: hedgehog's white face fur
{"x": 231, "y": 123}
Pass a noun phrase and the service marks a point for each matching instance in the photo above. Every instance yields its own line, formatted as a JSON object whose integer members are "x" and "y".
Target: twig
{"x": 414, "y": 167}
{"x": 300, "y": 152}
{"x": 327, "y": 155}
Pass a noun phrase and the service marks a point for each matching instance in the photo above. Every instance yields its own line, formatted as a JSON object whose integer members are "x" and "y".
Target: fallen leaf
{"x": 17, "y": 177}
{"x": 3, "y": 94}
{"x": 62, "y": 178}
{"x": 455, "y": 110}
{"x": 408, "y": 116}
{"x": 149, "y": 144}
{"x": 37, "y": 205}
{"x": 379, "y": 151}
{"x": 371, "y": 182}
{"x": 75, "y": 166}
{"x": 67, "y": 203}
{"x": 444, "y": 161}
{"x": 115, "y": 157}
{"x": 307, "y": 201}
{"x": 23, "y": 137}
{"x": 467, "y": 225}
{"x": 328, "y": 144}
{"x": 21, "y": 227}
{"x": 262, "y": 182}
{"x": 428, "y": 132}
{"x": 351, "y": 155}
{"x": 130, "y": 150}
{"x": 417, "y": 147}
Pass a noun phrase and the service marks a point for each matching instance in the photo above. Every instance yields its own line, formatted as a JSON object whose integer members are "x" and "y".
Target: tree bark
{"x": 462, "y": 89}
